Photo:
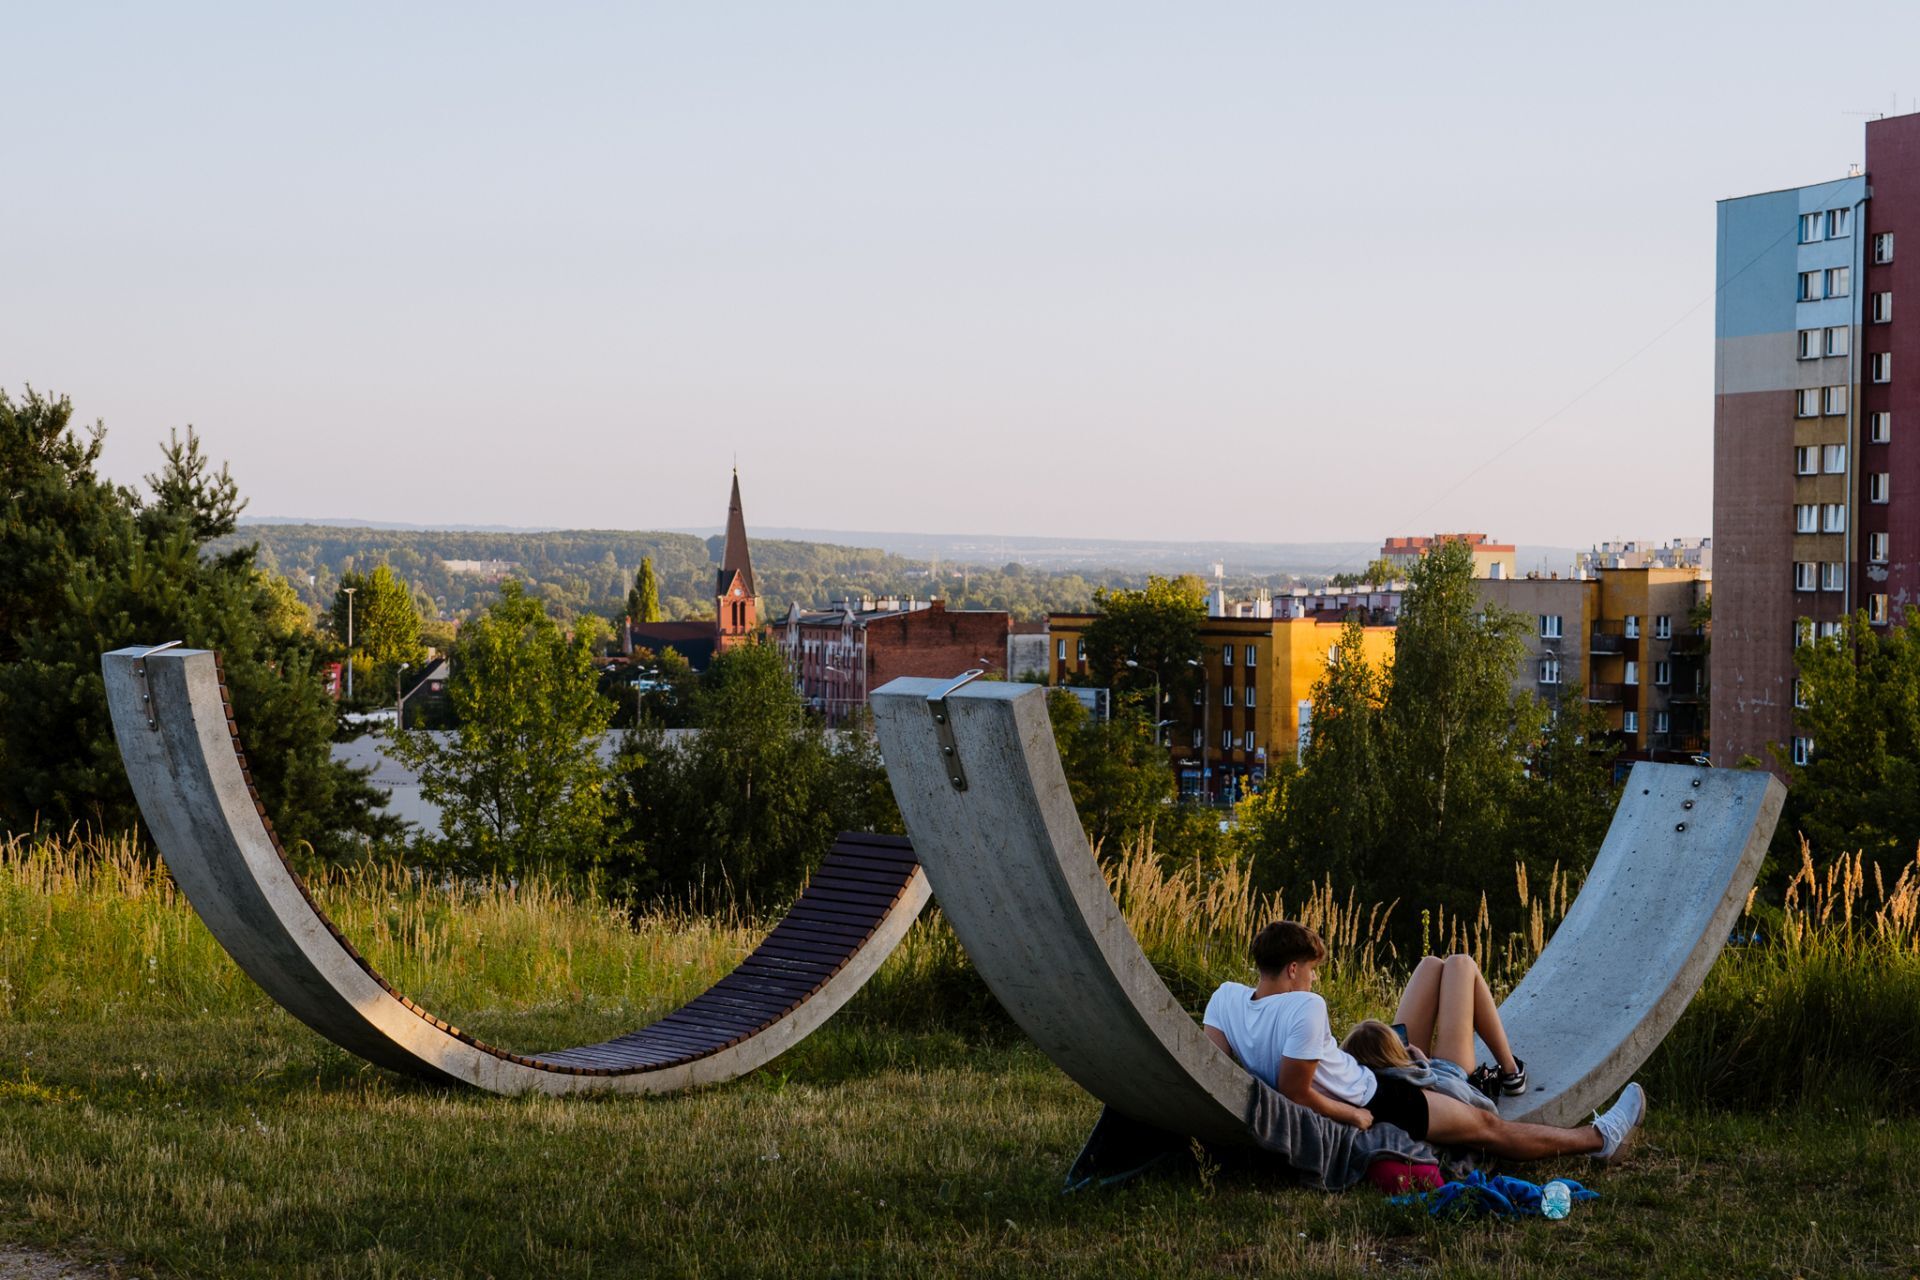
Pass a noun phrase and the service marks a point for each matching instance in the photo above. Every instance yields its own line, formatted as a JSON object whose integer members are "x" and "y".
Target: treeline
{"x": 581, "y": 572}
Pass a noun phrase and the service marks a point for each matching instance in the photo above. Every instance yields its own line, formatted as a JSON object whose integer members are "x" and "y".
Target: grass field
{"x": 159, "y": 1116}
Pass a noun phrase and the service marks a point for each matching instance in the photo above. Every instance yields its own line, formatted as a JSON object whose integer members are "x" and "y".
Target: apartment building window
{"x": 1832, "y": 576}
{"x": 1630, "y": 722}
{"x": 1663, "y": 673}
{"x": 1663, "y": 626}
{"x": 1226, "y": 739}
{"x": 1226, "y": 655}
{"x": 1226, "y": 695}
{"x": 1806, "y": 402}
{"x": 1876, "y": 548}
{"x": 1549, "y": 626}
{"x": 1833, "y": 400}
{"x": 1829, "y": 631}
{"x": 1660, "y": 722}
{"x": 1248, "y": 652}
{"x": 1549, "y": 671}
{"x": 1632, "y": 628}
{"x": 1250, "y": 696}
{"x": 1196, "y": 702}
{"x": 1882, "y": 306}
{"x": 1883, "y": 247}
{"x": 1833, "y": 517}
{"x": 1839, "y": 281}
{"x": 1333, "y": 655}
{"x": 1197, "y": 739}
{"x": 1810, "y": 282}
{"x": 1804, "y": 578}
{"x": 1802, "y": 632}
{"x": 1837, "y": 339}
{"x": 1877, "y": 485}
{"x": 1810, "y": 344}
{"x": 1877, "y": 610}
{"x": 1080, "y": 650}
{"x": 1802, "y": 749}
{"x": 1806, "y": 460}
{"x": 1880, "y": 366}
{"x": 1249, "y": 740}
{"x": 1806, "y": 518}
{"x": 1813, "y": 227}
{"x": 1839, "y": 223}
{"x": 1799, "y": 693}
{"x": 1880, "y": 427}
{"x": 1633, "y": 672}
{"x": 1834, "y": 459}
{"x": 1063, "y": 651}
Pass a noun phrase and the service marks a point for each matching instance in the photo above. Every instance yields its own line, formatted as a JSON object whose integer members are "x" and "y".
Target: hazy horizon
{"x": 1104, "y": 271}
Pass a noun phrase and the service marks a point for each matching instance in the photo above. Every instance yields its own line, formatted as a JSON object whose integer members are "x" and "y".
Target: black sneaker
{"x": 1514, "y": 1083}
{"x": 1486, "y": 1078}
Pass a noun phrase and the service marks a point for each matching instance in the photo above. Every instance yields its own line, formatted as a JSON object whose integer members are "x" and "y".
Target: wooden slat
{"x": 859, "y": 871}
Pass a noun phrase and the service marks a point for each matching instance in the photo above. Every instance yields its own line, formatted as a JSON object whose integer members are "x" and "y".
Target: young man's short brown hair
{"x": 1283, "y": 942}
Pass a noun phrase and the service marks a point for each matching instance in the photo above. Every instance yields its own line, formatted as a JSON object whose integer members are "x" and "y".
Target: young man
{"x": 1279, "y": 1031}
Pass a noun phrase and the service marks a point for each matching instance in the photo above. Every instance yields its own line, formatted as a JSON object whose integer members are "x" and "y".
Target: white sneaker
{"x": 1620, "y": 1123}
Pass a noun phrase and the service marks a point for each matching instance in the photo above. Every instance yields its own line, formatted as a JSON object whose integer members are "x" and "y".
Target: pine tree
{"x": 643, "y": 601}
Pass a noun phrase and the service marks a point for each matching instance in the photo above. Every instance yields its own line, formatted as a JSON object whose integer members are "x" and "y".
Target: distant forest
{"x": 589, "y": 571}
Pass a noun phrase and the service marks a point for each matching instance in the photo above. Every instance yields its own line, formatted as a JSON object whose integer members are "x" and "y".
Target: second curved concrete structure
{"x": 182, "y": 754}
{"x": 978, "y": 779}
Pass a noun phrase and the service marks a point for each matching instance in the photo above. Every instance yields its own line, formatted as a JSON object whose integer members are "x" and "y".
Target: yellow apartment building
{"x": 1245, "y": 712}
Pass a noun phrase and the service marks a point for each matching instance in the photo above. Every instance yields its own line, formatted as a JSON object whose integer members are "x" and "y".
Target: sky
{"x": 1257, "y": 271}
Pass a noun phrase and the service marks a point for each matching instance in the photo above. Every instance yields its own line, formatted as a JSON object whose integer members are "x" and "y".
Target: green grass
{"x": 237, "y": 1146}
{"x": 158, "y": 1112}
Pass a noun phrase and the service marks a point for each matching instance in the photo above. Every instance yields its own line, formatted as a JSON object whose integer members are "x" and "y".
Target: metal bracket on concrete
{"x": 146, "y": 691}
{"x": 943, "y": 728}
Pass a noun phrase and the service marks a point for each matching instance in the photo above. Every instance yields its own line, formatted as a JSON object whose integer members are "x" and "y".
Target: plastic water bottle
{"x": 1555, "y": 1199}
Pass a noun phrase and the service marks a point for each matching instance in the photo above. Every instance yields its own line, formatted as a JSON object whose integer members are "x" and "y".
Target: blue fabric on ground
{"x": 1477, "y": 1194}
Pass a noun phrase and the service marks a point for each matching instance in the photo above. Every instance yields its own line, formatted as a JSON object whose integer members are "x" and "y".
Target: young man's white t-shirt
{"x": 1292, "y": 1024}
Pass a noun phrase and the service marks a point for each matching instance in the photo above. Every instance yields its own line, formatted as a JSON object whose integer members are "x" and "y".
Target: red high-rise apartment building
{"x": 1816, "y": 489}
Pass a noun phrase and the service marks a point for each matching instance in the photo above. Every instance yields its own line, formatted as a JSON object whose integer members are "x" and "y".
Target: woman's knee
{"x": 1429, "y": 964}
{"x": 1461, "y": 962}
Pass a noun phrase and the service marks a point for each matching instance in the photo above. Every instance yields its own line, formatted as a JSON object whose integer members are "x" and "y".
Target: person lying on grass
{"x": 1278, "y": 1030}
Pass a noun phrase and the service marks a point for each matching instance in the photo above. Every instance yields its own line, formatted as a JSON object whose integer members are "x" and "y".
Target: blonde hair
{"x": 1375, "y": 1044}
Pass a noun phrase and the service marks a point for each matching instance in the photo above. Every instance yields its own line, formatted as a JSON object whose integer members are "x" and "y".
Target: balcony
{"x": 1609, "y": 636}
{"x": 1597, "y": 692}
{"x": 1688, "y": 644}
{"x": 1689, "y": 696}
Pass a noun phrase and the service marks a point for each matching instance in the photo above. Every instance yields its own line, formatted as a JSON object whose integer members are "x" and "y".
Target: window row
{"x": 1831, "y": 341}
{"x": 1810, "y": 459}
{"x": 1813, "y": 402}
{"x": 1827, "y": 575}
{"x": 1829, "y": 282}
{"x": 1826, "y": 224}
{"x": 1226, "y": 739}
{"x": 1822, "y": 517}
{"x": 1804, "y": 631}
{"x": 1226, "y": 655}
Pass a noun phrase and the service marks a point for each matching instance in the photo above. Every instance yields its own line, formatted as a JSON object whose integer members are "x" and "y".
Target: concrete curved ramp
{"x": 182, "y": 754}
{"x": 978, "y": 779}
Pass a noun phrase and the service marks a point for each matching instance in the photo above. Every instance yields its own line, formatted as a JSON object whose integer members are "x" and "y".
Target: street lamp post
{"x": 349, "y": 591}
{"x": 1157, "y": 699}
{"x": 1206, "y": 729}
{"x": 399, "y": 699}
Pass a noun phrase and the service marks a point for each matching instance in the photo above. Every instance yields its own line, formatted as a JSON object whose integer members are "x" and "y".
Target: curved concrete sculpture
{"x": 182, "y": 753}
{"x": 978, "y": 779}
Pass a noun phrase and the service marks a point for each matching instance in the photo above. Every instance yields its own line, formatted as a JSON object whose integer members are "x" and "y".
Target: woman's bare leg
{"x": 1420, "y": 1002}
{"x": 1466, "y": 1007}
{"x": 1451, "y": 1122}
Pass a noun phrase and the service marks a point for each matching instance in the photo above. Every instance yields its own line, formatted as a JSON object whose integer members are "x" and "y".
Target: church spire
{"x": 736, "y": 614}
{"x": 737, "y": 558}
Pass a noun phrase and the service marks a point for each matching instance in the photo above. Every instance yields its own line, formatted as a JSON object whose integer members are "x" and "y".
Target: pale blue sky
{"x": 1236, "y": 270}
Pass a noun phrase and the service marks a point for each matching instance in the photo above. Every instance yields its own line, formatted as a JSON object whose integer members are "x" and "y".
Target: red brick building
{"x": 840, "y": 655}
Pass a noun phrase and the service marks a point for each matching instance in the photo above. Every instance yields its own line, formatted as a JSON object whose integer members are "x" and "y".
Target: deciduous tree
{"x": 519, "y": 782}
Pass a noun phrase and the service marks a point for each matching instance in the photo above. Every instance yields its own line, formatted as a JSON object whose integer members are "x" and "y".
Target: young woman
{"x": 1277, "y": 1030}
